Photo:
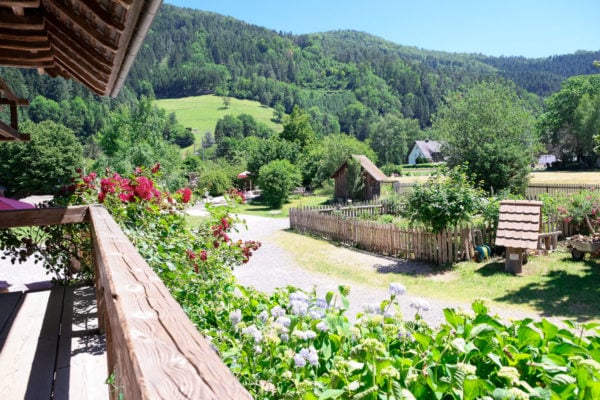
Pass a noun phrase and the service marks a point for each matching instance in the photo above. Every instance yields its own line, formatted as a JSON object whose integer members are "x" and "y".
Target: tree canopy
{"x": 490, "y": 130}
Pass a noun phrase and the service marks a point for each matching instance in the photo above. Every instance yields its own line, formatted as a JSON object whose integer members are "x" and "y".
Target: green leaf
{"x": 329, "y": 297}
{"x": 563, "y": 379}
{"x": 345, "y": 302}
{"x": 592, "y": 391}
{"x": 452, "y": 318}
{"x": 528, "y": 336}
{"x": 423, "y": 340}
{"x": 331, "y": 394}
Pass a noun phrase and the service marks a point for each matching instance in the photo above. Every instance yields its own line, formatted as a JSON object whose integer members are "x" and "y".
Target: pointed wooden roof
{"x": 519, "y": 224}
{"x": 92, "y": 41}
{"x": 367, "y": 165}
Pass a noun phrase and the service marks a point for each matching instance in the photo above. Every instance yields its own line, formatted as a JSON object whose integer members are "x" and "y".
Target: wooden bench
{"x": 50, "y": 346}
{"x": 548, "y": 241}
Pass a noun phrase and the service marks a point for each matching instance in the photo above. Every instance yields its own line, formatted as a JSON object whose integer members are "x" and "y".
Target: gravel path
{"x": 272, "y": 267}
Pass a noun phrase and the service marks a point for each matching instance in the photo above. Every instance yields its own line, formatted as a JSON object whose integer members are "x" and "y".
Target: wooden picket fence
{"x": 447, "y": 247}
{"x": 535, "y": 190}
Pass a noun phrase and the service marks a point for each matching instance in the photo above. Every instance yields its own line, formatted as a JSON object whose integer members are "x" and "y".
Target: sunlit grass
{"x": 201, "y": 113}
{"x": 256, "y": 207}
{"x": 553, "y": 285}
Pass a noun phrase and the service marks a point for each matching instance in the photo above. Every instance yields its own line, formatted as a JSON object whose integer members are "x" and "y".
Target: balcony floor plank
{"x": 46, "y": 331}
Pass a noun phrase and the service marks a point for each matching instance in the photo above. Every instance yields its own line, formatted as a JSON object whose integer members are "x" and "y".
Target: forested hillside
{"x": 349, "y": 75}
{"x": 334, "y": 94}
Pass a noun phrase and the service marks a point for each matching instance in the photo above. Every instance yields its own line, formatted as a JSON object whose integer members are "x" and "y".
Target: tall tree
{"x": 42, "y": 165}
{"x": 392, "y": 136}
{"x": 297, "y": 128}
{"x": 561, "y": 126}
{"x": 490, "y": 130}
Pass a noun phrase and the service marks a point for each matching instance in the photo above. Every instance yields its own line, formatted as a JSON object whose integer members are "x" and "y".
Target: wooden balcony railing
{"x": 154, "y": 351}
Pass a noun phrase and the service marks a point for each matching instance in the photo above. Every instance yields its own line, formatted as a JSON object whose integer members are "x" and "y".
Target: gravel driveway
{"x": 272, "y": 267}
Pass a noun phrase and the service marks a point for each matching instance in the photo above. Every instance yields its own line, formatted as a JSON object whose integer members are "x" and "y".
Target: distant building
{"x": 372, "y": 176}
{"x": 427, "y": 149}
{"x": 546, "y": 160}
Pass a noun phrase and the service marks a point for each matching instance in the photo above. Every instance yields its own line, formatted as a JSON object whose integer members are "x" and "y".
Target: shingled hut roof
{"x": 519, "y": 224}
{"x": 368, "y": 166}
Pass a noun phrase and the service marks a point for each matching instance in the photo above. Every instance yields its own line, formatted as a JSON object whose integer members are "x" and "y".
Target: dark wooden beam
{"x": 107, "y": 19}
{"x": 58, "y": 28}
{"x": 8, "y": 133}
{"x": 84, "y": 77}
{"x": 33, "y": 46}
{"x": 19, "y": 102}
{"x": 27, "y": 35}
{"x": 17, "y": 58}
{"x": 20, "y": 3}
{"x": 43, "y": 216}
{"x": 77, "y": 46}
{"x": 33, "y": 21}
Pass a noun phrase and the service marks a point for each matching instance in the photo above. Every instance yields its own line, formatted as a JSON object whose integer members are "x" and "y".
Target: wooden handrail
{"x": 154, "y": 351}
{"x": 43, "y": 216}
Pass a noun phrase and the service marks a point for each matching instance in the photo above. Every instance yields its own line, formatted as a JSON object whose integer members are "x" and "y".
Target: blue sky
{"x": 530, "y": 28}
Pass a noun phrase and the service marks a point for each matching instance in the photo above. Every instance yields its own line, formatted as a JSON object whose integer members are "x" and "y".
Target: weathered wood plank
{"x": 43, "y": 216}
{"x": 81, "y": 369}
{"x": 18, "y": 353}
{"x": 165, "y": 356}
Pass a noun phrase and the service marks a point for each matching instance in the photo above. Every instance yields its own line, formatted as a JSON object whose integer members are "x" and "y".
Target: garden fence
{"x": 417, "y": 244}
{"x": 535, "y": 190}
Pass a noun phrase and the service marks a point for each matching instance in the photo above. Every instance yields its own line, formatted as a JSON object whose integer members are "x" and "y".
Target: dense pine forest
{"x": 381, "y": 94}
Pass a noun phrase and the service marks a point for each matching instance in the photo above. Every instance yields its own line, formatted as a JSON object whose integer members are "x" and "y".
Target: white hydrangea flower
{"x": 235, "y": 317}
{"x": 397, "y": 289}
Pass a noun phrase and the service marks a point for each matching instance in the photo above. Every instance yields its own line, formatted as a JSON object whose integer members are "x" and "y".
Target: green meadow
{"x": 201, "y": 113}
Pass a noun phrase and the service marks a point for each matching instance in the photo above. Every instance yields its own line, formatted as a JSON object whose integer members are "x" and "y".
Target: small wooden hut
{"x": 518, "y": 230}
{"x": 372, "y": 177}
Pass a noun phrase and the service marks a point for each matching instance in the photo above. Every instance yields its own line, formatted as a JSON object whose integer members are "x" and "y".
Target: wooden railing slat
{"x": 167, "y": 357}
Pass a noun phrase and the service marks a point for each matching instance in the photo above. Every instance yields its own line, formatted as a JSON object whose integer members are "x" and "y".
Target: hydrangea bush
{"x": 297, "y": 345}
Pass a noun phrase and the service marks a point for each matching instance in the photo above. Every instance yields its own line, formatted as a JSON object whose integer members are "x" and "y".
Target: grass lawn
{"x": 574, "y": 177}
{"x": 201, "y": 113}
{"x": 258, "y": 208}
{"x": 553, "y": 285}
{"x": 550, "y": 177}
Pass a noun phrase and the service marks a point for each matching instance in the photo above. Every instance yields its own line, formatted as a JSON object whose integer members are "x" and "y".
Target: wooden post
{"x": 514, "y": 260}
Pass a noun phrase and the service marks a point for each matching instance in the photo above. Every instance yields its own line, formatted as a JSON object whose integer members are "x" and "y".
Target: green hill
{"x": 201, "y": 113}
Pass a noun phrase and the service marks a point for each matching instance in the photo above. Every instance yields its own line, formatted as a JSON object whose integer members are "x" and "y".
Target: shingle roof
{"x": 367, "y": 165}
{"x": 519, "y": 224}
{"x": 370, "y": 167}
{"x": 428, "y": 147}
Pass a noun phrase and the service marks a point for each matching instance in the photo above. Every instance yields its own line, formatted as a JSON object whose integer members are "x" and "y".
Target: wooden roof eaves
{"x": 82, "y": 24}
{"x": 144, "y": 23}
{"x": 34, "y": 20}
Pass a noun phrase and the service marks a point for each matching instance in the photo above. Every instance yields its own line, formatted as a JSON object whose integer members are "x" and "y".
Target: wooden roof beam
{"x": 23, "y": 36}
{"x": 8, "y": 133}
{"x": 34, "y": 21}
{"x": 96, "y": 85}
{"x": 61, "y": 40}
{"x": 18, "y": 58}
{"x": 106, "y": 18}
{"x": 20, "y": 3}
{"x": 42, "y": 45}
{"x": 56, "y": 8}
{"x": 57, "y": 27}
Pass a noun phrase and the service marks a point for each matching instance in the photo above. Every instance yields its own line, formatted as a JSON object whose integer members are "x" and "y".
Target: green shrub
{"x": 216, "y": 181}
{"x": 276, "y": 180}
{"x": 447, "y": 199}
